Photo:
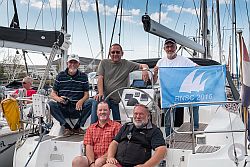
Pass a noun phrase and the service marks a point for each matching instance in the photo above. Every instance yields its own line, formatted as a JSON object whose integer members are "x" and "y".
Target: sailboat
{"x": 32, "y": 40}
{"x": 222, "y": 137}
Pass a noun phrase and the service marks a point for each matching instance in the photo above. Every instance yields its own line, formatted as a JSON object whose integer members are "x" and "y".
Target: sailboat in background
{"x": 32, "y": 40}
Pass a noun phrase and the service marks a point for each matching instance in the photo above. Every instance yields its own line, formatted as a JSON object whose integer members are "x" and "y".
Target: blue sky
{"x": 136, "y": 43}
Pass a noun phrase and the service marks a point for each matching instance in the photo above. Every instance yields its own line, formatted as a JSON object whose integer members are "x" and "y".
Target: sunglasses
{"x": 24, "y": 82}
{"x": 117, "y": 52}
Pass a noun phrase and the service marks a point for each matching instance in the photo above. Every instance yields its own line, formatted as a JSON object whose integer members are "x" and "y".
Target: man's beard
{"x": 140, "y": 124}
{"x": 72, "y": 70}
{"x": 171, "y": 55}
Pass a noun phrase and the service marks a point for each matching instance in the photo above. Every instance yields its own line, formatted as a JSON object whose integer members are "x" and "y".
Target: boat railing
{"x": 193, "y": 132}
{"x": 39, "y": 110}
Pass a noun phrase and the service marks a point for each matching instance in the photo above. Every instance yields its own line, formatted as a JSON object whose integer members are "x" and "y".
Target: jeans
{"x": 112, "y": 105}
{"x": 168, "y": 119}
{"x": 60, "y": 112}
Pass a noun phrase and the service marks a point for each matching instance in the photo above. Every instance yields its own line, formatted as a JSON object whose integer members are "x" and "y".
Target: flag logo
{"x": 190, "y": 84}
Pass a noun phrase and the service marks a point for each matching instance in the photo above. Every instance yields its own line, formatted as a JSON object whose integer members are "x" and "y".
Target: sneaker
{"x": 79, "y": 131}
{"x": 67, "y": 132}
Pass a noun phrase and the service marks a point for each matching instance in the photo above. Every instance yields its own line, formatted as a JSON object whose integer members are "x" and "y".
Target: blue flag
{"x": 192, "y": 84}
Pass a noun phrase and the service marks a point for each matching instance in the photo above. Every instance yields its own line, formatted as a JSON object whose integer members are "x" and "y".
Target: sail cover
{"x": 29, "y": 39}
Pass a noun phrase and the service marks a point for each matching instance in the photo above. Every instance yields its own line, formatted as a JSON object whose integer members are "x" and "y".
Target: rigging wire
{"x": 233, "y": 140}
{"x": 120, "y": 23}
{"x": 56, "y": 13}
{"x": 179, "y": 14}
{"x": 113, "y": 30}
{"x": 27, "y": 16}
{"x": 228, "y": 10}
{"x": 195, "y": 8}
{"x": 73, "y": 28}
{"x": 8, "y": 12}
{"x": 50, "y": 9}
{"x": 70, "y": 6}
{"x": 146, "y": 10}
{"x": 85, "y": 29}
{"x": 42, "y": 15}
{"x": 1, "y": 2}
{"x": 224, "y": 16}
{"x": 99, "y": 28}
{"x": 105, "y": 27}
{"x": 39, "y": 14}
{"x": 248, "y": 20}
{"x": 30, "y": 60}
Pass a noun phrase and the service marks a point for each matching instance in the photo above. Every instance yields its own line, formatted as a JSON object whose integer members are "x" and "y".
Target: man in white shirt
{"x": 172, "y": 59}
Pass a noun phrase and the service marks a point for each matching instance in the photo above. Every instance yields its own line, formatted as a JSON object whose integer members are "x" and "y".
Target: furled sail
{"x": 29, "y": 39}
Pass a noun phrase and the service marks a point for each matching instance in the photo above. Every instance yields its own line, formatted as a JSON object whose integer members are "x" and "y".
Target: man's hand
{"x": 14, "y": 95}
{"x": 156, "y": 68}
{"x": 145, "y": 75}
{"x": 111, "y": 161}
{"x": 61, "y": 99}
{"x": 79, "y": 105}
{"x": 99, "y": 97}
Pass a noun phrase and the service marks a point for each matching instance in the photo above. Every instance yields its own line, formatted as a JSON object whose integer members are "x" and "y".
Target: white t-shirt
{"x": 179, "y": 61}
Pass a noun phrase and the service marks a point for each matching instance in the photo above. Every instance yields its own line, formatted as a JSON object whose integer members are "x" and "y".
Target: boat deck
{"x": 184, "y": 141}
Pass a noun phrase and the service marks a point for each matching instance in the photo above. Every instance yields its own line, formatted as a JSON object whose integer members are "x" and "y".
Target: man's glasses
{"x": 117, "y": 52}
{"x": 24, "y": 82}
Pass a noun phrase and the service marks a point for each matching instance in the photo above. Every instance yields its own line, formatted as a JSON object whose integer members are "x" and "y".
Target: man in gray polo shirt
{"x": 113, "y": 74}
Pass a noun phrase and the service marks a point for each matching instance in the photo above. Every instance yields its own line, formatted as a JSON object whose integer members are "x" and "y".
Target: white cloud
{"x": 225, "y": 1}
{"x": 164, "y": 17}
{"x": 177, "y": 9}
{"x": 33, "y": 3}
{"x": 87, "y": 6}
{"x": 129, "y": 15}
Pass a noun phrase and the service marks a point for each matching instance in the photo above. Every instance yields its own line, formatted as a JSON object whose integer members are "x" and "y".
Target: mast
{"x": 233, "y": 38}
{"x": 234, "y": 44}
{"x": 99, "y": 28}
{"x": 64, "y": 28}
{"x": 218, "y": 30}
{"x": 205, "y": 41}
{"x": 159, "y": 39}
{"x": 240, "y": 44}
{"x": 15, "y": 21}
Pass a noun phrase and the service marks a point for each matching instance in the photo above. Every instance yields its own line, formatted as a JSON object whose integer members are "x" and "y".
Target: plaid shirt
{"x": 101, "y": 137}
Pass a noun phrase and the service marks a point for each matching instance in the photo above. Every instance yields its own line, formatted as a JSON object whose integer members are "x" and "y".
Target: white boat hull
{"x": 7, "y": 146}
{"x": 218, "y": 149}
{"x": 52, "y": 152}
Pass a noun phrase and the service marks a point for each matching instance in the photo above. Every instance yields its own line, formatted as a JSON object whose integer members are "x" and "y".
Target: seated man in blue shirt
{"x": 71, "y": 97}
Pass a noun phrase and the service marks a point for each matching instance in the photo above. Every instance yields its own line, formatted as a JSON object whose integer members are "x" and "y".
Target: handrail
{"x": 202, "y": 103}
{"x": 192, "y": 132}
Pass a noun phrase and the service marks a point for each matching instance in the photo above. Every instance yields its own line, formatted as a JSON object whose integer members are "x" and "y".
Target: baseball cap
{"x": 171, "y": 40}
{"x": 73, "y": 57}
